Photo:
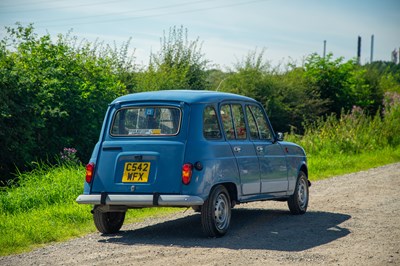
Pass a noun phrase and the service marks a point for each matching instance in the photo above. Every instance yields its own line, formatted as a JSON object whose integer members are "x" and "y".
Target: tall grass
{"x": 354, "y": 141}
{"x": 43, "y": 187}
{"x": 41, "y": 208}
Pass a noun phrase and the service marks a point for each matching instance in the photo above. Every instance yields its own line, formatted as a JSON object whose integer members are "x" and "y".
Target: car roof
{"x": 187, "y": 96}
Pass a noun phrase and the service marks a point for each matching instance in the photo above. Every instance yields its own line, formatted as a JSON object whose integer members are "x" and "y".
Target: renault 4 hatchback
{"x": 201, "y": 149}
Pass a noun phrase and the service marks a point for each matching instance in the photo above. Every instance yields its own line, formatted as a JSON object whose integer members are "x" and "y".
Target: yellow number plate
{"x": 136, "y": 172}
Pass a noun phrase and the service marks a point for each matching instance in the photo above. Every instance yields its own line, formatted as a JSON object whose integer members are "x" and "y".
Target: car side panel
{"x": 216, "y": 157}
{"x": 218, "y": 166}
{"x": 273, "y": 167}
{"x": 296, "y": 158}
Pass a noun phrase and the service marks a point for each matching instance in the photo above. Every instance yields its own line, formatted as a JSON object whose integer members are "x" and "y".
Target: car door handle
{"x": 260, "y": 148}
{"x": 237, "y": 149}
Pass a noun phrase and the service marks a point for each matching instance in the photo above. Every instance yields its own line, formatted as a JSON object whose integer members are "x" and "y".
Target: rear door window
{"x": 232, "y": 116}
{"x": 146, "y": 121}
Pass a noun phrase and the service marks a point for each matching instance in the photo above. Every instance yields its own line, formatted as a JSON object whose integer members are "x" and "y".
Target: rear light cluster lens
{"x": 187, "y": 170}
{"x": 89, "y": 172}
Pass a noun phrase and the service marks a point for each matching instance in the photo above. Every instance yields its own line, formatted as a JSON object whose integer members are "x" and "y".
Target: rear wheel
{"x": 216, "y": 212}
{"x": 108, "y": 222}
{"x": 298, "y": 202}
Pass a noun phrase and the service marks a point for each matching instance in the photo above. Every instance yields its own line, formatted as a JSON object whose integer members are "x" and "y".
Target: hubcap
{"x": 221, "y": 212}
{"x": 302, "y": 193}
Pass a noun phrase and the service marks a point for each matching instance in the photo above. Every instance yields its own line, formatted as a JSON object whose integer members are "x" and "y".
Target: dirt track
{"x": 352, "y": 219}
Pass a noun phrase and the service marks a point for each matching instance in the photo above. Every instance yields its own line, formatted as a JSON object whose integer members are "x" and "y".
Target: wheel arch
{"x": 232, "y": 190}
{"x": 304, "y": 168}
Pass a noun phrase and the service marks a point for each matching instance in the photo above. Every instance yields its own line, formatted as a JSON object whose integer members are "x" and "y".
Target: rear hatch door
{"x": 143, "y": 150}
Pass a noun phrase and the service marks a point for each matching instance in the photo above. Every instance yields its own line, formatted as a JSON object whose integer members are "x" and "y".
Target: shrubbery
{"x": 54, "y": 92}
{"x": 354, "y": 132}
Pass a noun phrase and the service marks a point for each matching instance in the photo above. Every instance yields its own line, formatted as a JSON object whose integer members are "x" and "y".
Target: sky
{"x": 288, "y": 30}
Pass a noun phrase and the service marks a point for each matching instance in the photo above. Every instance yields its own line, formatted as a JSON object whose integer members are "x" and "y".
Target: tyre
{"x": 298, "y": 202}
{"x": 216, "y": 212}
{"x": 108, "y": 222}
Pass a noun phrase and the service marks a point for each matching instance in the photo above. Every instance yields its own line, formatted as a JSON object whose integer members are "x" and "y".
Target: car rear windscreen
{"x": 146, "y": 121}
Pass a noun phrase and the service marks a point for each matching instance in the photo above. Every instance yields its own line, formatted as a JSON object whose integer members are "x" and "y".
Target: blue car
{"x": 202, "y": 149}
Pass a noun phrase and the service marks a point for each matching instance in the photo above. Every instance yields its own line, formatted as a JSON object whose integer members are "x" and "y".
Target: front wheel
{"x": 108, "y": 222}
{"x": 298, "y": 202}
{"x": 216, "y": 212}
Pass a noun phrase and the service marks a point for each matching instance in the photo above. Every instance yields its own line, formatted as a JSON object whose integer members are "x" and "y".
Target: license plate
{"x": 136, "y": 172}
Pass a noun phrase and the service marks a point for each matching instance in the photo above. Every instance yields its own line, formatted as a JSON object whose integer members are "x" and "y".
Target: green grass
{"x": 42, "y": 209}
{"x": 321, "y": 167}
{"x": 352, "y": 142}
{"x": 23, "y": 231}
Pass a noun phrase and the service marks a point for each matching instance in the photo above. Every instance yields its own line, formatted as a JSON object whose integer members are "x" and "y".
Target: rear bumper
{"x": 140, "y": 200}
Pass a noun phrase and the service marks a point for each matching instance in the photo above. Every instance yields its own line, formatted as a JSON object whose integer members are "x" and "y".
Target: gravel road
{"x": 352, "y": 220}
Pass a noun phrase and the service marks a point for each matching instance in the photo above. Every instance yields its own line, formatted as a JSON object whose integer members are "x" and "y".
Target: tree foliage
{"x": 286, "y": 96}
{"x": 54, "y": 92}
{"x": 179, "y": 64}
{"x": 53, "y": 95}
{"x": 343, "y": 84}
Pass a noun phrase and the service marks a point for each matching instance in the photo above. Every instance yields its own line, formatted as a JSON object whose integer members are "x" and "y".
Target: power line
{"x": 57, "y": 7}
{"x": 124, "y": 12}
{"x": 28, "y": 3}
{"x": 155, "y": 15}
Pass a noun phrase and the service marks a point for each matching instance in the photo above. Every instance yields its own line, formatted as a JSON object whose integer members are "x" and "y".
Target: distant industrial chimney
{"x": 359, "y": 50}
{"x": 372, "y": 49}
{"x": 394, "y": 55}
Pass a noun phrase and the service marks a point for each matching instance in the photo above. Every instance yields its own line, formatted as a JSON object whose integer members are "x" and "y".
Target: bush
{"x": 179, "y": 64}
{"x": 54, "y": 94}
{"x": 354, "y": 132}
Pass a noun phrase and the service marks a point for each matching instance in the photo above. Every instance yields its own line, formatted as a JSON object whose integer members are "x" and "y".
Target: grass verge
{"x": 321, "y": 167}
{"x": 42, "y": 209}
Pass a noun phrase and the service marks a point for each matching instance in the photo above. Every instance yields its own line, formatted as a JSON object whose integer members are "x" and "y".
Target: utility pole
{"x": 324, "y": 53}
{"x": 372, "y": 49}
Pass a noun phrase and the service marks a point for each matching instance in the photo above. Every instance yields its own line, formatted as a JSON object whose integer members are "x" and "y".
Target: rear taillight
{"x": 89, "y": 172}
{"x": 187, "y": 170}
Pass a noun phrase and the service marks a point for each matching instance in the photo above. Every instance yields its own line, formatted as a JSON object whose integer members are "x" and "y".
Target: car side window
{"x": 263, "y": 129}
{"x": 239, "y": 122}
{"x": 227, "y": 121}
{"x": 234, "y": 125}
{"x": 252, "y": 124}
{"x": 210, "y": 124}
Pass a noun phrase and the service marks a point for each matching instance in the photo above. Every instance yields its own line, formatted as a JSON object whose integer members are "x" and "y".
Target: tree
{"x": 344, "y": 84}
{"x": 331, "y": 78}
{"x": 285, "y": 95}
{"x": 53, "y": 95}
{"x": 179, "y": 64}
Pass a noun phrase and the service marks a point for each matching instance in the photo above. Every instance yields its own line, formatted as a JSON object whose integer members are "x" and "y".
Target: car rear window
{"x": 146, "y": 121}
